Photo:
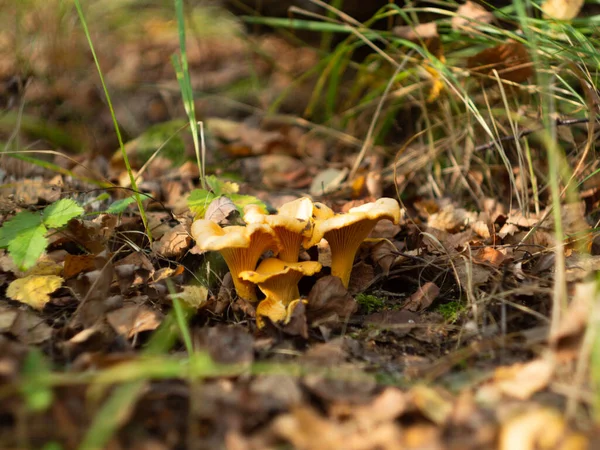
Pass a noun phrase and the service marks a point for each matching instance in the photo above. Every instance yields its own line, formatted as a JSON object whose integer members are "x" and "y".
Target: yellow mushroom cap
{"x": 345, "y": 232}
{"x": 301, "y": 208}
{"x": 291, "y": 225}
{"x": 278, "y": 280}
{"x": 241, "y": 248}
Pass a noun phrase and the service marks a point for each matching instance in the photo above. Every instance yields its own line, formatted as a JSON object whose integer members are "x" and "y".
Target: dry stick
{"x": 527, "y": 132}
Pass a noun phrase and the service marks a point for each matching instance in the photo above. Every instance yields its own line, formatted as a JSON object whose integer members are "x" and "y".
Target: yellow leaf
{"x": 562, "y": 9}
{"x": 34, "y": 290}
{"x": 194, "y": 296}
{"x": 45, "y": 266}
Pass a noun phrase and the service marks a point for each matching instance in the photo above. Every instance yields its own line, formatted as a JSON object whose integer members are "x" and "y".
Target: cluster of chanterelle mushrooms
{"x": 299, "y": 224}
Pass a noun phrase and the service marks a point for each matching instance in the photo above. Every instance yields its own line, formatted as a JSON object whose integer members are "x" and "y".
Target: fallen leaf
{"x": 432, "y": 404}
{"x": 523, "y": 380}
{"x": 423, "y": 298}
{"x": 416, "y": 32}
{"x": 221, "y": 210}
{"x": 173, "y": 243}
{"x": 470, "y": 15}
{"x": 34, "y": 290}
{"x": 194, "y": 296}
{"x": 542, "y": 428}
{"x": 489, "y": 255}
{"x": 329, "y": 300}
{"x": 510, "y": 60}
{"x": 133, "y": 319}
{"x": 76, "y": 264}
{"x": 30, "y": 329}
{"x": 562, "y": 9}
{"x": 327, "y": 181}
{"x": 399, "y": 322}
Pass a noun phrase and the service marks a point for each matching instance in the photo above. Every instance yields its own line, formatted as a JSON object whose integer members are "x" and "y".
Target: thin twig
{"x": 527, "y": 132}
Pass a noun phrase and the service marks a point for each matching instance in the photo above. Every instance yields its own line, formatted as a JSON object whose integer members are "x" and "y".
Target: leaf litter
{"x": 329, "y": 373}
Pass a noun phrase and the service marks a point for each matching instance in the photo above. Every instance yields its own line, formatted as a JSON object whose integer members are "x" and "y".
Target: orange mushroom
{"x": 292, "y": 225}
{"x": 278, "y": 280}
{"x": 345, "y": 232}
{"x": 241, "y": 248}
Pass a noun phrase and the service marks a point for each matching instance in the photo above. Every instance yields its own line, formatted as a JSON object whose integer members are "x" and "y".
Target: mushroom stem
{"x": 344, "y": 243}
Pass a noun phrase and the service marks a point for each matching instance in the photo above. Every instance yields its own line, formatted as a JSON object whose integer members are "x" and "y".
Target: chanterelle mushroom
{"x": 292, "y": 224}
{"x": 278, "y": 280}
{"x": 241, "y": 248}
{"x": 345, "y": 232}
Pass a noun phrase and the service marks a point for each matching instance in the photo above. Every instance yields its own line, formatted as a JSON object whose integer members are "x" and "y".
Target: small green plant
{"x": 199, "y": 199}
{"x": 370, "y": 303}
{"x": 450, "y": 311}
{"x": 24, "y": 236}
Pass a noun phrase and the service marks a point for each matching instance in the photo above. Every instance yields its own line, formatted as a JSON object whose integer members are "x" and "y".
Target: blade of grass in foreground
{"x": 138, "y": 197}
{"x": 180, "y": 63}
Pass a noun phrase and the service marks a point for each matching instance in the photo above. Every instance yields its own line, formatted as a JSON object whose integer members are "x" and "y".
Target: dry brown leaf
{"x": 329, "y": 300}
{"x": 471, "y": 274}
{"x": 30, "y": 329}
{"x": 399, "y": 322}
{"x": 34, "y": 290}
{"x": 133, "y": 319}
{"x": 76, "y": 264}
{"x": 173, "y": 243}
{"x": 481, "y": 228}
{"x": 470, "y": 15}
{"x": 523, "y": 380}
{"x": 489, "y": 255}
{"x": 510, "y": 60}
{"x": 423, "y": 298}
{"x": 562, "y": 9}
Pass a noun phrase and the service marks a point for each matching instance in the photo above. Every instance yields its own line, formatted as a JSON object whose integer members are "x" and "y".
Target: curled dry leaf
{"x": 221, "y": 210}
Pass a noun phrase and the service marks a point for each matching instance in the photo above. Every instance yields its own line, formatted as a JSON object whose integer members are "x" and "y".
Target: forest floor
{"x": 471, "y": 323}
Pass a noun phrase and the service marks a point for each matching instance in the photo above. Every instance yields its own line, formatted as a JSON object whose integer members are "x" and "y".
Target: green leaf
{"x": 13, "y": 228}
{"x": 199, "y": 200}
{"x": 220, "y": 187}
{"x": 59, "y": 213}
{"x": 120, "y": 206}
{"x": 26, "y": 248}
{"x": 243, "y": 200}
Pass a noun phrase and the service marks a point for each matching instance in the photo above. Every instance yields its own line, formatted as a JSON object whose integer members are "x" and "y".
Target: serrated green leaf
{"x": 13, "y": 228}
{"x": 120, "y": 206}
{"x": 243, "y": 200}
{"x": 59, "y": 213}
{"x": 198, "y": 201}
{"x": 26, "y": 248}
